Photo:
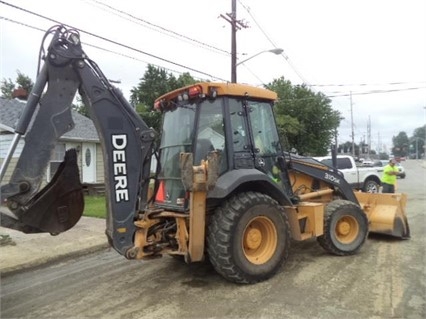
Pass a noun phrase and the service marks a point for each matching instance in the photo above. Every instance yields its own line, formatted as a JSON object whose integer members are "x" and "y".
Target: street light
{"x": 274, "y": 51}
{"x": 416, "y": 138}
{"x": 424, "y": 142}
{"x": 234, "y": 65}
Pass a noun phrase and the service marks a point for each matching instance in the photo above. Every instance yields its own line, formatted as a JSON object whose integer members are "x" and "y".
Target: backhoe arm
{"x": 127, "y": 144}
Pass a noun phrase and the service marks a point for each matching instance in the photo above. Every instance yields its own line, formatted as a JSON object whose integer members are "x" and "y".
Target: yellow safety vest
{"x": 389, "y": 179}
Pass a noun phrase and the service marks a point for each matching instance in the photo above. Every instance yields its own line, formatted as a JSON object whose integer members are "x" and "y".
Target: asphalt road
{"x": 387, "y": 279}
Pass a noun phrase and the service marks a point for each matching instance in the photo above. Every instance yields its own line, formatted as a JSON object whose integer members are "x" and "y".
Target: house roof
{"x": 11, "y": 110}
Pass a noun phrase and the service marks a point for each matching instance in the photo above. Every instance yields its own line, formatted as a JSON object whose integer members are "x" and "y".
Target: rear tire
{"x": 345, "y": 228}
{"x": 248, "y": 238}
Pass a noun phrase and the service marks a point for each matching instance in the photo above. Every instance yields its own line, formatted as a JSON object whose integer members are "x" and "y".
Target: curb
{"x": 8, "y": 271}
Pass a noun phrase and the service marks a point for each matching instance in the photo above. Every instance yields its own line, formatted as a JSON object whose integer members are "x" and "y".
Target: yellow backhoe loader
{"x": 224, "y": 190}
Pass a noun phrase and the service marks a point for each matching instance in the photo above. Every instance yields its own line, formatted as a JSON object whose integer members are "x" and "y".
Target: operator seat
{"x": 203, "y": 147}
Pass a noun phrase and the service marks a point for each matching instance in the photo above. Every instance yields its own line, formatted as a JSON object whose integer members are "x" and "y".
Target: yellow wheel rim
{"x": 260, "y": 240}
{"x": 347, "y": 229}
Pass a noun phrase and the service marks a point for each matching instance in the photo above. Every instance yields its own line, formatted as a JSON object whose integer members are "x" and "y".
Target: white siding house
{"x": 83, "y": 137}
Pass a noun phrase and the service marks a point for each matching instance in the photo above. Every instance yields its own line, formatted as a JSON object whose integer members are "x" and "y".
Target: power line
{"x": 328, "y": 95}
{"x": 376, "y": 91}
{"x": 285, "y": 56}
{"x": 369, "y": 84}
{"x": 22, "y": 24}
{"x": 114, "y": 42}
{"x": 161, "y": 29}
{"x": 98, "y": 47}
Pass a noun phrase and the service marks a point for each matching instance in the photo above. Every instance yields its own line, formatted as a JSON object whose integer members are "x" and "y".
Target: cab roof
{"x": 223, "y": 89}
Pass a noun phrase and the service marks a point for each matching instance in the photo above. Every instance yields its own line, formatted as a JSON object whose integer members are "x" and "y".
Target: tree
{"x": 7, "y": 87}
{"x": 417, "y": 142}
{"x": 347, "y": 148}
{"x": 153, "y": 84}
{"x": 383, "y": 156}
{"x": 400, "y": 144}
{"x": 20, "y": 89}
{"x": 305, "y": 117}
{"x": 80, "y": 107}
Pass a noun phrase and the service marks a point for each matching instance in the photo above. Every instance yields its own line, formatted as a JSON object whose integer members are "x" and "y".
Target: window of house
{"x": 56, "y": 159}
{"x": 88, "y": 157}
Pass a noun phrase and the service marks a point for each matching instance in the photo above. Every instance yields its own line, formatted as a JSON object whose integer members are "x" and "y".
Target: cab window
{"x": 265, "y": 136}
{"x": 210, "y": 132}
{"x": 238, "y": 126}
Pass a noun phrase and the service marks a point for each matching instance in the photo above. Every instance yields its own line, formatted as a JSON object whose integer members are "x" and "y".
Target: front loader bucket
{"x": 386, "y": 213}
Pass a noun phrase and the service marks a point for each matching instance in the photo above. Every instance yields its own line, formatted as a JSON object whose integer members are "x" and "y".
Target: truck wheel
{"x": 371, "y": 186}
{"x": 345, "y": 228}
{"x": 248, "y": 238}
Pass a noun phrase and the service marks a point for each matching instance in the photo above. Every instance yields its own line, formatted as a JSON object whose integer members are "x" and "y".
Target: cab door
{"x": 239, "y": 137}
{"x": 264, "y": 138}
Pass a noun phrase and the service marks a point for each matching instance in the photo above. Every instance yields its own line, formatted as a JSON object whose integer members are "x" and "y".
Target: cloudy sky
{"x": 368, "y": 56}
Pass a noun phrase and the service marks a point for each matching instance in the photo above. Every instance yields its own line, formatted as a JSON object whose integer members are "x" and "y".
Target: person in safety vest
{"x": 390, "y": 172}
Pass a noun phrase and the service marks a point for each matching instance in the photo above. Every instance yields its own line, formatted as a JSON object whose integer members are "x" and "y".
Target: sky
{"x": 367, "y": 56}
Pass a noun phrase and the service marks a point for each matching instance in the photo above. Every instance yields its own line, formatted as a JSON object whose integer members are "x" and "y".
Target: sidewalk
{"x": 22, "y": 251}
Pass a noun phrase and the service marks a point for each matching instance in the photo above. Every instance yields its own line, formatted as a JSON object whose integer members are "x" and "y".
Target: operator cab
{"x": 235, "y": 120}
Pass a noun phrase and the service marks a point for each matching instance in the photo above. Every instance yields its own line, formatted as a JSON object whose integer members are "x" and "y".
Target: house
{"x": 83, "y": 137}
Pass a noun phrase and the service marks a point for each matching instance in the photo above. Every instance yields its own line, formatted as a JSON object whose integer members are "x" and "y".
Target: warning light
{"x": 194, "y": 91}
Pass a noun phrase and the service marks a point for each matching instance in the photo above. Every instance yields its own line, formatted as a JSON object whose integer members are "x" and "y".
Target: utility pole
{"x": 369, "y": 136}
{"x": 335, "y": 138}
{"x": 424, "y": 142}
{"x": 352, "y": 126}
{"x": 235, "y": 25}
{"x": 417, "y": 147}
{"x": 379, "y": 143}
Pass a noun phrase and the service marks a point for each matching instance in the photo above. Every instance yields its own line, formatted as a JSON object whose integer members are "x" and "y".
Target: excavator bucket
{"x": 386, "y": 213}
{"x": 56, "y": 208}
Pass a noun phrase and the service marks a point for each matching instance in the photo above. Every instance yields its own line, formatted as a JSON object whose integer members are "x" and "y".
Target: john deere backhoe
{"x": 225, "y": 190}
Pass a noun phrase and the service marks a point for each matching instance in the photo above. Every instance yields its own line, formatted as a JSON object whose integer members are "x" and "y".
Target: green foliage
{"x": 383, "y": 156}
{"x": 6, "y": 240}
{"x": 347, "y": 148}
{"x": 22, "y": 81}
{"x": 152, "y": 118}
{"x": 80, "y": 107}
{"x": 153, "y": 84}
{"x": 7, "y": 87}
{"x": 94, "y": 206}
{"x": 305, "y": 117}
{"x": 400, "y": 144}
{"x": 418, "y": 142}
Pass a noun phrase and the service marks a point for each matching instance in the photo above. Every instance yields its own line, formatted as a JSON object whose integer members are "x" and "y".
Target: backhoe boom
{"x": 126, "y": 140}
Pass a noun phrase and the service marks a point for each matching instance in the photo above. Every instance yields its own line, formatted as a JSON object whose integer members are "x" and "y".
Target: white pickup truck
{"x": 366, "y": 179}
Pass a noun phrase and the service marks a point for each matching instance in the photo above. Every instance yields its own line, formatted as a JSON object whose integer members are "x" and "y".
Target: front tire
{"x": 248, "y": 238}
{"x": 345, "y": 228}
{"x": 371, "y": 186}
